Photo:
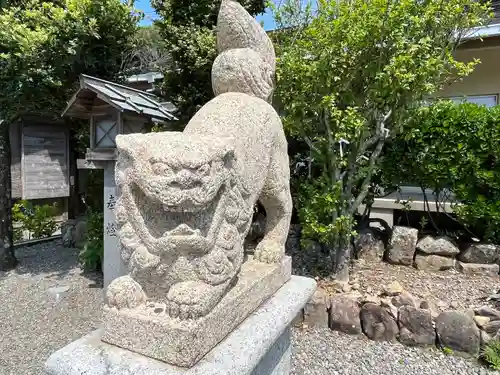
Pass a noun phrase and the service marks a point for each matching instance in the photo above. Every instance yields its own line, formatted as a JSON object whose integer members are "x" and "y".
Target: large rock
{"x": 378, "y": 324}
{"x": 478, "y": 269}
{"x": 74, "y": 233}
{"x": 480, "y": 253}
{"x": 405, "y": 299}
{"x": 492, "y": 328}
{"x": 369, "y": 245}
{"x": 485, "y": 338}
{"x": 392, "y": 289}
{"x": 432, "y": 307}
{"x": 415, "y": 326}
{"x": 316, "y": 310}
{"x": 344, "y": 315}
{"x": 67, "y": 233}
{"x": 402, "y": 245}
{"x": 481, "y": 321}
{"x": 437, "y": 246}
{"x": 458, "y": 332}
{"x": 433, "y": 262}
{"x": 489, "y": 312}
{"x": 80, "y": 236}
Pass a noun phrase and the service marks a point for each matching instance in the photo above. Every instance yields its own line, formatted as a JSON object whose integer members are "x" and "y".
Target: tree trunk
{"x": 342, "y": 260}
{"x": 7, "y": 259}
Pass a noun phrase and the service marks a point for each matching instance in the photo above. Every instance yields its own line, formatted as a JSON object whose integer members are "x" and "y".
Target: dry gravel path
{"x": 35, "y": 320}
{"x": 454, "y": 289}
{"x": 324, "y": 352}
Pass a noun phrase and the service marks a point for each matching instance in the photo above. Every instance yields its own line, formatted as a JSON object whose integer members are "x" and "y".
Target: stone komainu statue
{"x": 186, "y": 199}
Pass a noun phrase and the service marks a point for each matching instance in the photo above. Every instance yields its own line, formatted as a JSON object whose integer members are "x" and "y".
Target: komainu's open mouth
{"x": 188, "y": 231}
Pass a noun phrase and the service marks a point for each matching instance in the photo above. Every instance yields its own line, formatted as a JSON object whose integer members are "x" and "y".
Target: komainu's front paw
{"x": 193, "y": 299}
{"x": 125, "y": 292}
{"x": 269, "y": 252}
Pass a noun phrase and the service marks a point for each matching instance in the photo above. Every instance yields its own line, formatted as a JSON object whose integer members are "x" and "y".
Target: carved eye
{"x": 161, "y": 169}
{"x": 204, "y": 170}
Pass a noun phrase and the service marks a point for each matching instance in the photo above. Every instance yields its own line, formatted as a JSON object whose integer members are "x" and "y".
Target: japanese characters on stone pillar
{"x": 113, "y": 265}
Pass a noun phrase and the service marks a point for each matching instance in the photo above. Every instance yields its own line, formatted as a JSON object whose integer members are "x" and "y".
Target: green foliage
{"x": 93, "y": 252}
{"x": 188, "y": 28}
{"x": 453, "y": 147}
{"x": 318, "y": 205}
{"x": 448, "y": 351}
{"x": 491, "y": 354}
{"x": 45, "y": 46}
{"x": 39, "y": 220}
{"x": 350, "y": 74}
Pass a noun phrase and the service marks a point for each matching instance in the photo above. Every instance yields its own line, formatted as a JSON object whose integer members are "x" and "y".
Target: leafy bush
{"x": 91, "y": 256}
{"x": 39, "y": 220}
{"x": 349, "y": 75}
{"x": 490, "y": 354}
{"x": 456, "y": 148}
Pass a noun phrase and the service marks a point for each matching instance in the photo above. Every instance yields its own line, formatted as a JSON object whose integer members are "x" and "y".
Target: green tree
{"x": 188, "y": 28}
{"x": 44, "y": 47}
{"x": 350, "y": 74}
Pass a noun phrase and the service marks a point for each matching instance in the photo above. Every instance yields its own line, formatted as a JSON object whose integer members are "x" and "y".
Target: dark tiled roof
{"x": 121, "y": 97}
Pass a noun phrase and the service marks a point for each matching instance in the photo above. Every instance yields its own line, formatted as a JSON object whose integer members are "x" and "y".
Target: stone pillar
{"x": 113, "y": 266}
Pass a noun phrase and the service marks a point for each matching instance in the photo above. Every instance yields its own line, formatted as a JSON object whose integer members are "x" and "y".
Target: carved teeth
{"x": 184, "y": 230}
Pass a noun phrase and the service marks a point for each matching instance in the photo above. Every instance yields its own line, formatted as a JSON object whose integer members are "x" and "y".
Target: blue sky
{"x": 145, "y": 6}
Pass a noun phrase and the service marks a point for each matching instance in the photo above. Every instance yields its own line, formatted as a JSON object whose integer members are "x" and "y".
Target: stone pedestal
{"x": 260, "y": 345}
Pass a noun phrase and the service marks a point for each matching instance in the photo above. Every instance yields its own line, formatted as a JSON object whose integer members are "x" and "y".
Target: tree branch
{"x": 366, "y": 182}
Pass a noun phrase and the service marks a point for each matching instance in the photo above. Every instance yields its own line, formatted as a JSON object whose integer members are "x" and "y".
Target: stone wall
{"x": 396, "y": 315}
{"x": 404, "y": 247}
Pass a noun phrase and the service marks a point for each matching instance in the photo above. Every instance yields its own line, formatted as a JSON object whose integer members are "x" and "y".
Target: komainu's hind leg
{"x": 277, "y": 201}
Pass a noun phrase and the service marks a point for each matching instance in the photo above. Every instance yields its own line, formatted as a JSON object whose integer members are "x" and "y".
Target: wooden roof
{"x": 95, "y": 92}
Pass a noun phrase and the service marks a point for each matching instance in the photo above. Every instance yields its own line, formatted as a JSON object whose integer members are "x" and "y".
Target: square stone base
{"x": 185, "y": 342}
{"x": 258, "y": 346}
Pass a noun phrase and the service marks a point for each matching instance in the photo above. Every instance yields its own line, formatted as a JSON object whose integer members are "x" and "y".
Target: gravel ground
{"x": 47, "y": 302}
{"x": 36, "y": 320}
{"x": 455, "y": 289}
{"x": 324, "y": 352}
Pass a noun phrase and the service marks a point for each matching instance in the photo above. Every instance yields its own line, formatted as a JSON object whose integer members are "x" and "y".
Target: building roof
{"x": 486, "y": 31}
{"x": 94, "y": 92}
{"x": 149, "y": 77}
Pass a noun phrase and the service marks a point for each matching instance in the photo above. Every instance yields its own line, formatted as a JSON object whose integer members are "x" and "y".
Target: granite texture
{"x": 402, "y": 246}
{"x": 186, "y": 200}
{"x": 433, "y": 262}
{"x": 478, "y": 269}
{"x": 437, "y": 246}
{"x": 149, "y": 330}
{"x": 257, "y": 341}
{"x": 480, "y": 253}
{"x": 415, "y": 326}
{"x": 185, "y": 206}
{"x": 458, "y": 331}
{"x": 242, "y": 70}
{"x": 238, "y": 29}
{"x": 246, "y": 62}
